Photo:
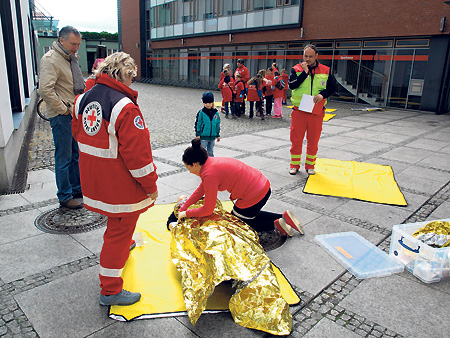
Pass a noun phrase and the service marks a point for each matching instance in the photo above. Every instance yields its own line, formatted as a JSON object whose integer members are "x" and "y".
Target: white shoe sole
{"x": 286, "y": 227}
{"x": 296, "y": 222}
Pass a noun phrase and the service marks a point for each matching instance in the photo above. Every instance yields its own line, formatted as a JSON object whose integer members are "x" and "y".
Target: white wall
{"x": 6, "y": 121}
{"x": 12, "y": 131}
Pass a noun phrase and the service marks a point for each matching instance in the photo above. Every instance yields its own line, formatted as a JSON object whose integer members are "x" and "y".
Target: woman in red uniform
{"x": 248, "y": 188}
{"x": 117, "y": 172}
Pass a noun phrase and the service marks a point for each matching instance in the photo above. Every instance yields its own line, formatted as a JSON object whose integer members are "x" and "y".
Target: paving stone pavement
{"x": 49, "y": 283}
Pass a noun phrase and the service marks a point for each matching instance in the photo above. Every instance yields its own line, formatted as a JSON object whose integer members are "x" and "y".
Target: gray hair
{"x": 65, "y": 32}
{"x": 120, "y": 66}
{"x": 311, "y": 46}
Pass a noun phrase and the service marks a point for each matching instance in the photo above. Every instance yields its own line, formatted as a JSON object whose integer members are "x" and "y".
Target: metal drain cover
{"x": 69, "y": 221}
{"x": 271, "y": 240}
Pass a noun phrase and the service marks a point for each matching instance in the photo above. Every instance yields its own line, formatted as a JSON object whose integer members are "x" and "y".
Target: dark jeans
{"x": 239, "y": 108}
{"x": 67, "y": 172}
{"x": 257, "y": 219}
{"x": 258, "y": 107}
{"x": 269, "y": 101}
{"x": 231, "y": 105}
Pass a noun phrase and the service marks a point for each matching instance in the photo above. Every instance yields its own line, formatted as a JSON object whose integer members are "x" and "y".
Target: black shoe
{"x": 71, "y": 204}
{"x": 78, "y": 195}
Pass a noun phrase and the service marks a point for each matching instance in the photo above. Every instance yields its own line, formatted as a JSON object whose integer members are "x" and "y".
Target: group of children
{"x": 268, "y": 85}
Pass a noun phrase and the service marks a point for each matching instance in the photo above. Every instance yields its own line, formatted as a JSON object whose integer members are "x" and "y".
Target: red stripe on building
{"x": 297, "y": 57}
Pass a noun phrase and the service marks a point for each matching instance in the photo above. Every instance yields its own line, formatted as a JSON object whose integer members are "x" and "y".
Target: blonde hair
{"x": 120, "y": 66}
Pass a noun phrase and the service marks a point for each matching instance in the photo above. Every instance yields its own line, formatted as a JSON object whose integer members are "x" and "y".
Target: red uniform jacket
{"x": 227, "y": 90}
{"x": 285, "y": 77}
{"x": 245, "y": 74}
{"x": 252, "y": 94}
{"x": 116, "y": 164}
{"x": 269, "y": 90}
{"x": 239, "y": 87}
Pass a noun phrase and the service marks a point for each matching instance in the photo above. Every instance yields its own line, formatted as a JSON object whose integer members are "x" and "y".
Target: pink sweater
{"x": 245, "y": 184}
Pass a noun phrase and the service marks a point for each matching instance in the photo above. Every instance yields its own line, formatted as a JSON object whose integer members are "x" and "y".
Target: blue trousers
{"x": 209, "y": 146}
{"x": 67, "y": 171}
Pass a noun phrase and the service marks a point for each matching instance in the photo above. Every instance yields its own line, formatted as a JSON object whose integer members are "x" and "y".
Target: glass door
{"x": 374, "y": 76}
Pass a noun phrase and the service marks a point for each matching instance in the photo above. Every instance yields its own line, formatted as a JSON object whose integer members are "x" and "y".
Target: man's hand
{"x": 305, "y": 67}
{"x": 182, "y": 215}
{"x": 218, "y": 139}
{"x": 154, "y": 196}
{"x": 318, "y": 98}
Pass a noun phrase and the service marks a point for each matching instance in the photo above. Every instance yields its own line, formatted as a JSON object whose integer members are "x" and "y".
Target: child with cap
{"x": 207, "y": 123}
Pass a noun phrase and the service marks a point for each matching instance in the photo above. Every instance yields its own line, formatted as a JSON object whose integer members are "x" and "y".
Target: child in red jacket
{"x": 285, "y": 77}
{"x": 226, "y": 87}
{"x": 269, "y": 92}
{"x": 278, "y": 85}
{"x": 239, "y": 105}
{"x": 255, "y": 85}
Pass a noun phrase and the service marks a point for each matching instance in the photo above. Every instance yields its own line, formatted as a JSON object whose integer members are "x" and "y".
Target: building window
{"x": 47, "y": 48}
{"x": 348, "y": 44}
{"x": 413, "y": 43}
{"x": 295, "y": 45}
{"x": 378, "y": 43}
{"x": 323, "y": 44}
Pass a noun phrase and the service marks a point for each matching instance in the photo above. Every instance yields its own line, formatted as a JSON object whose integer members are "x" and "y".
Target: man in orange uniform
{"x": 311, "y": 78}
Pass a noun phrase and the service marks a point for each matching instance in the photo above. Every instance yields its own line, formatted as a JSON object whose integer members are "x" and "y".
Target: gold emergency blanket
{"x": 358, "y": 180}
{"x": 436, "y": 233}
{"x": 150, "y": 271}
{"x": 218, "y": 248}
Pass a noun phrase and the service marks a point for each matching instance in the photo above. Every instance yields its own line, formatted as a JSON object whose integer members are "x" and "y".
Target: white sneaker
{"x": 311, "y": 171}
{"x": 293, "y": 171}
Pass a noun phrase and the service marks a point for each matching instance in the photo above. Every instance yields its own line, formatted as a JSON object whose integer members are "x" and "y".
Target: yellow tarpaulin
{"x": 328, "y": 117}
{"x": 362, "y": 181}
{"x": 330, "y": 110}
{"x": 150, "y": 271}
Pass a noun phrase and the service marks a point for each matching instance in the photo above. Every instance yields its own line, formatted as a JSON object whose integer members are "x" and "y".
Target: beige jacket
{"x": 56, "y": 81}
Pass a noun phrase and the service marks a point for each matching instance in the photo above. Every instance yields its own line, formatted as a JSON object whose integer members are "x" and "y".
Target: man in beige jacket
{"x": 60, "y": 80}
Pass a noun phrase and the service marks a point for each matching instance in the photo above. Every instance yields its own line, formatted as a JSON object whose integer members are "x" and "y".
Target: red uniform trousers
{"x": 115, "y": 252}
{"x": 302, "y": 122}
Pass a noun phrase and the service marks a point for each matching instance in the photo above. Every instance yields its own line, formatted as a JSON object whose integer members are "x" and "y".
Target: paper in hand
{"x": 307, "y": 103}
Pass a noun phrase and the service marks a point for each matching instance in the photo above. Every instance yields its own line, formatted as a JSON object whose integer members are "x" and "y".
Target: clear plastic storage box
{"x": 359, "y": 256}
{"x": 428, "y": 264}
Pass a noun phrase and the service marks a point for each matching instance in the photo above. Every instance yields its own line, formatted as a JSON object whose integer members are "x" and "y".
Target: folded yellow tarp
{"x": 150, "y": 271}
{"x": 362, "y": 181}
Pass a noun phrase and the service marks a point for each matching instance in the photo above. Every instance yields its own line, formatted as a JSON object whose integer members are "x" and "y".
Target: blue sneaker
{"x": 124, "y": 297}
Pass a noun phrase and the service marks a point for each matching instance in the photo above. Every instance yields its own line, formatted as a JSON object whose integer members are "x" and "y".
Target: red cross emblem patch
{"x": 92, "y": 118}
{"x": 138, "y": 122}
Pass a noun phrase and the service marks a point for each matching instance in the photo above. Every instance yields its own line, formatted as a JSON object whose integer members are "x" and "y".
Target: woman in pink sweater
{"x": 248, "y": 188}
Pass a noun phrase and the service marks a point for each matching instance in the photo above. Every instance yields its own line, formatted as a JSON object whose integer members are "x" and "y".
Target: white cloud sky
{"x": 84, "y": 15}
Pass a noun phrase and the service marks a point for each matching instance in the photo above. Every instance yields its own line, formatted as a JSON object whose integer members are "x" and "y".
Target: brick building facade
{"x": 382, "y": 53}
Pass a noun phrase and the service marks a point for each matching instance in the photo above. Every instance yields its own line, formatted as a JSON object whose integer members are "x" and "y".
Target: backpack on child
{"x": 280, "y": 83}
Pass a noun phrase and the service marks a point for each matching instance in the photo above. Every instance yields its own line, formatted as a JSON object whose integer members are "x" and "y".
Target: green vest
{"x": 321, "y": 73}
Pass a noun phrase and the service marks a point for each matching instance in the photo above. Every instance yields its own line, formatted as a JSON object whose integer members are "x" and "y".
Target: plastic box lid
{"x": 359, "y": 256}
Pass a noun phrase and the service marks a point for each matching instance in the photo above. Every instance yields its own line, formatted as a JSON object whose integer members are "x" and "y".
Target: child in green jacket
{"x": 207, "y": 123}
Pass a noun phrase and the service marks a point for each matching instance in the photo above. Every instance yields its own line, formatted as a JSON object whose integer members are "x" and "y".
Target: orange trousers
{"x": 305, "y": 123}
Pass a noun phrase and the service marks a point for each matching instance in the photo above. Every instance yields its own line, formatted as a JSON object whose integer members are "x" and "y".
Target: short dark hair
{"x": 65, "y": 32}
{"x": 195, "y": 153}
{"x": 240, "y": 61}
{"x": 313, "y": 47}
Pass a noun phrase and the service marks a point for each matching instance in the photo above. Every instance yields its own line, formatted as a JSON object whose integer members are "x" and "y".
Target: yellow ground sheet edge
{"x": 163, "y": 297}
{"x": 357, "y": 180}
